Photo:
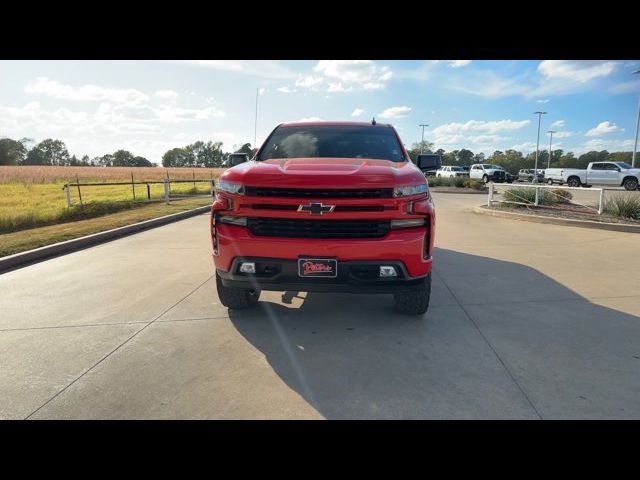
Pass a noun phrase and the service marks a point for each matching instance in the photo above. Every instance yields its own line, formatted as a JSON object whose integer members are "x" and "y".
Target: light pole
{"x": 422, "y": 143}
{"x": 550, "y": 140}
{"x": 635, "y": 145}
{"x": 535, "y": 169}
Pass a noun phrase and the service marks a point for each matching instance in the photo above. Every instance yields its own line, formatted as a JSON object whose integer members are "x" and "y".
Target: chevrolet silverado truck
{"x": 326, "y": 207}
{"x": 618, "y": 174}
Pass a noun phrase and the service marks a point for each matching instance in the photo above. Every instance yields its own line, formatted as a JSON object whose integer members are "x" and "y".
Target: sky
{"x": 148, "y": 107}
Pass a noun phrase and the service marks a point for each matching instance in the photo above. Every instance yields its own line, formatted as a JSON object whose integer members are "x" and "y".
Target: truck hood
{"x": 325, "y": 173}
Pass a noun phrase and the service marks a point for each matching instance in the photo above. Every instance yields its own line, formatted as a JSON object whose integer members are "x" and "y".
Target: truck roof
{"x": 316, "y": 123}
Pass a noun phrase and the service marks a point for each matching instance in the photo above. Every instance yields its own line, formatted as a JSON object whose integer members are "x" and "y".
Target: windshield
{"x": 493, "y": 167}
{"x": 333, "y": 141}
{"x": 457, "y": 169}
{"x": 624, "y": 165}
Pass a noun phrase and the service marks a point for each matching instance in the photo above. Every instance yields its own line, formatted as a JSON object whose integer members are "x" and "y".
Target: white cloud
{"x": 488, "y": 84}
{"x": 563, "y": 134}
{"x": 353, "y": 71}
{"x": 337, "y": 87}
{"x": 286, "y": 89}
{"x": 580, "y": 71}
{"x": 395, "y": 112}
{"x": 168, "y": 94}
{"x": 626, "y": 87}
{"x": 310, "y": 119}
{"x": 259, "y": 68}
{"x": 610, "y": 145}
{"x": 53, "y": 88}
{"x": 602, "y": 129}
{"x": 459, "y": 63}
{"x": 109, "y": 126}
{"x": 448, "y": 139}
{"x": 487, "y": 139}
{"x": 357, "y": 112}
{"x": 344, "y": 76}
{"x": 557, "y": 124}
{"x": 480, "y": 126}
{"x": 556, "y": 77}
{"x": 310, "y": 82}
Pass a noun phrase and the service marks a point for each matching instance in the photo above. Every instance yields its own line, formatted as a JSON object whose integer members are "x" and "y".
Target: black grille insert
{"x": 338, "y": 208}
{"x": 319, "y": 192}
{"x": 295, "y": 228}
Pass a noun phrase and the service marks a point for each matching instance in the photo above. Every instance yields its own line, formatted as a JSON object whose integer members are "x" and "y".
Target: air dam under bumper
{"x": 353, "y": 277}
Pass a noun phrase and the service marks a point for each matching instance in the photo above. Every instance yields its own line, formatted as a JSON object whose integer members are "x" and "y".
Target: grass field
{"x": 24, "y": 240}
{"x": 33, "y": 197}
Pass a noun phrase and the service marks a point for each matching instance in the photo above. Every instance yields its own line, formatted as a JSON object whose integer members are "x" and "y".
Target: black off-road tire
{"x": 574, "y": 182}
{"x": 549, "y": 181}
{"x": 236, "y": 298}
{"x": 485, "y": 179}
{"x": 415, "y": 301}
{"x": 630, "y": 184}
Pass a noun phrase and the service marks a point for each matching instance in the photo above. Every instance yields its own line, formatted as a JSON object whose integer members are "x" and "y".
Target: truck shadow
{"x": 500, "y": 340}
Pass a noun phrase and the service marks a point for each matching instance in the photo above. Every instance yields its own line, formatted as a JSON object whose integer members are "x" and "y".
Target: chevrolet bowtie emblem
{"x": 316, "y": 208}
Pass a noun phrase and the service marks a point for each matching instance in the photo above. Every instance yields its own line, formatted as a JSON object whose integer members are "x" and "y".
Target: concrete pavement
{"x": 527, "y": 321}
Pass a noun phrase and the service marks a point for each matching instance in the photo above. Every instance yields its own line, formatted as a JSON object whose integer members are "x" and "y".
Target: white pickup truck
{"x": 597, "y": 173}
{"x": 487, "y": 172}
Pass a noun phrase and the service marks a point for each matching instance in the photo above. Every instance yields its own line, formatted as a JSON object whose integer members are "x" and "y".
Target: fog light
{"x": 247, "y": 267}
{"x": 388, "y": 271}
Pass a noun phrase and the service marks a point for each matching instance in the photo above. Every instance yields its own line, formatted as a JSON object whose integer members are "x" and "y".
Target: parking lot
{"x": 527, "y": 321}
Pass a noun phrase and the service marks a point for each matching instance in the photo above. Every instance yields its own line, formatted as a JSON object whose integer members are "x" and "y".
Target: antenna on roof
{"x": 373, "y": 121}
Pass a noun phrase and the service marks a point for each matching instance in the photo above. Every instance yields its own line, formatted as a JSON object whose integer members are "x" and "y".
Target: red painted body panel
{"x": 405, "y": 245}
{"x": 325, "y": 173}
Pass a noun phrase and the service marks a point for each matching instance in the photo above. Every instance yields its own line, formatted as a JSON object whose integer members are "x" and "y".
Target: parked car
{"x": 596, "y": 173}
{"x": 510, "y": 177}
{"x": 526, "y": 175}
{"x": 287, "y": 220}
{"x": 451, "y": 171}
{"x": 487, "y": 172}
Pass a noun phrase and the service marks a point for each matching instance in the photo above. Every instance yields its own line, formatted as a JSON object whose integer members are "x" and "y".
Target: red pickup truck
{"x": 326, "y": 207}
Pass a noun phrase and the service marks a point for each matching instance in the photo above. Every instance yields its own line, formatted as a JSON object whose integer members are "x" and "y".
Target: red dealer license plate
{"x": 317, "y": 267}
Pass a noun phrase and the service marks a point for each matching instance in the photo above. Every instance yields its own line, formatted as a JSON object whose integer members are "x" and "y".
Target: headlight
{"x": 408, "y": 223}
{"x": 232, "y": 220}
{"x": 410, "y": 190}
{"x": 231, "y": 187}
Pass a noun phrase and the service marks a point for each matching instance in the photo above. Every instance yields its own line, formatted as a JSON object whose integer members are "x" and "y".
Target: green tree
{"x": 12, "y": 152}
{"x": 464, "y": 157}
{"x": 426, "y": 147}
{"x": 123, "y": 158}
{"x": 176, "y": 157}
{"x": 105, "y": 160}
{"x": 48, "y": 152}
{"x": 141, "y": 162}
{"x": 620, "y": 157}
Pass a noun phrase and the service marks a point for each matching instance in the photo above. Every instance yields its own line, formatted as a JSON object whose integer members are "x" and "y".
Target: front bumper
{"x": 403, "y": 245}
{"x": 352, "y": 277}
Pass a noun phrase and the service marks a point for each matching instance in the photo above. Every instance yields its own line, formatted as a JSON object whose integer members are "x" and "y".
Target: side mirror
{"x": 428, "y": 161}
{"x": 237, "y": 158}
